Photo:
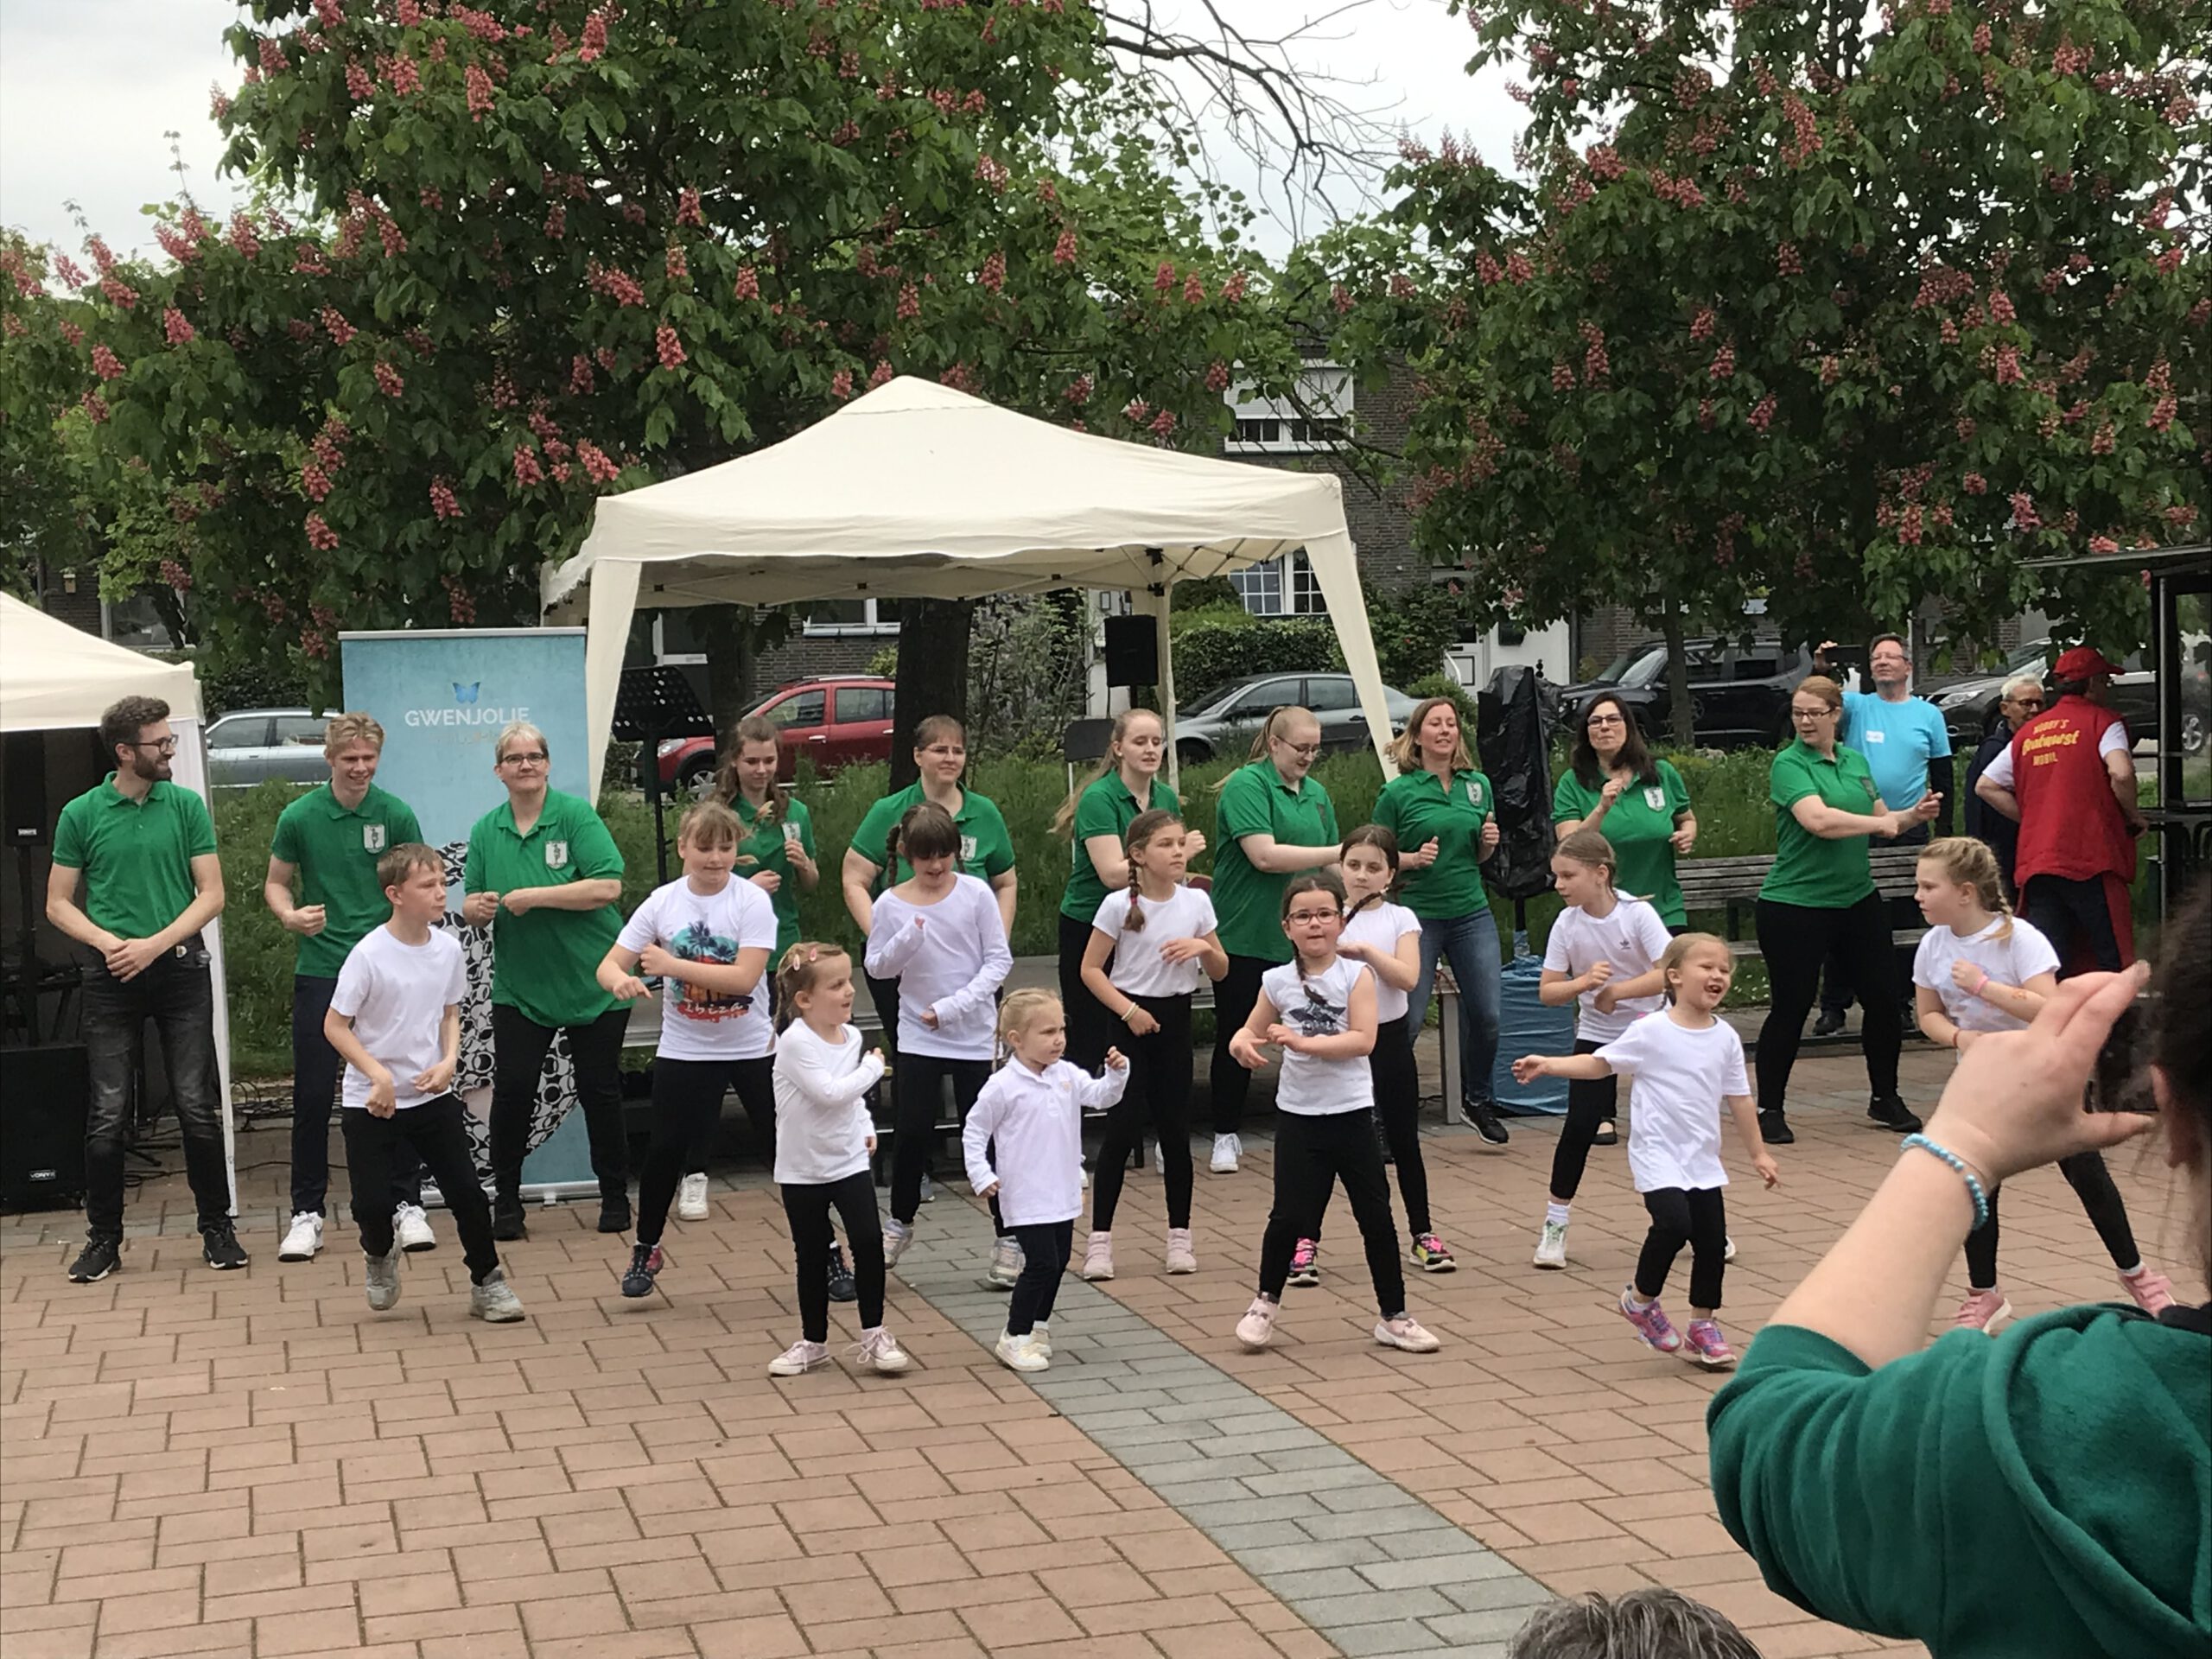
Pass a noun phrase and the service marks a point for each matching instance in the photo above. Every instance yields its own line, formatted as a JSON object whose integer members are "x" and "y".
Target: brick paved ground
{"x": 253, "y": 1463}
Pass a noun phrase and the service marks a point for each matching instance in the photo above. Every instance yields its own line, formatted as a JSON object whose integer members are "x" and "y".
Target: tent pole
{"x": 1163, "y": 595}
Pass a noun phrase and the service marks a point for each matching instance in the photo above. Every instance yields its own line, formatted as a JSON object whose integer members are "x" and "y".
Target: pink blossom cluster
{"x": 1079, "y": 389}
{"x": 991, "y": 277}
{"x": 880, "y": 375}
{"x": 840, "y": 384}
{"x": 478, "y": 85}
{"x": 595, "y": 464}
{"x": 388, "y": 380}
{"x": 321, "y": 535}
{"x": 617, "y": 285}
{"x": 175, "y": 328}
{"x": 106, "y": 364}
{"x": 444, "y": 504}
{"x": 748, "y": 285}
{"x": 459, "y": 601}
{"x": 667, "y": 347}
{"x": 340, "y": 331}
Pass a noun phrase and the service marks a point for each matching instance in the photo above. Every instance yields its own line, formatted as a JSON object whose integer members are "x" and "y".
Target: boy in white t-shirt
{"x": 394, "y": 1020}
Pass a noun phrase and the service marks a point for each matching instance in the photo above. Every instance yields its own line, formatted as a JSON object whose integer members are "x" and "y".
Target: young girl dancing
{"x": 707, "y": 937}
{"x": 823, "y": 1138}
{"x": 1024, "y": 1147}
{"x": 1386, "y": 938}
{"x": 1603, "y": 953}
{"x": 1686, "y": 1063}
{"x": 1159, "y": 935}
{"x": 939, "y": 934}
{"x": 1319, "y": 1007}
{"x": 1981, "y": 968}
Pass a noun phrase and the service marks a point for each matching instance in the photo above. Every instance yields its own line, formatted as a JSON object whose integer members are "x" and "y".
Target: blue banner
{"x": 444, "y": 697}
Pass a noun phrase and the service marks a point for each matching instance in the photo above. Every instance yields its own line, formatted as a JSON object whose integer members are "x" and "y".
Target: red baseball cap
{"x": 2085, "y": 662}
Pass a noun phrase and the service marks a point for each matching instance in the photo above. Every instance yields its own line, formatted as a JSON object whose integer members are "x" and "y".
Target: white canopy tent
{"x": 54, "y": 677}
{"x": 915, "y": 491}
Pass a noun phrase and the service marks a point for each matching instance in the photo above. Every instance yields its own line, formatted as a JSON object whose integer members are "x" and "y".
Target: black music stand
{"x": 653, "y": 704}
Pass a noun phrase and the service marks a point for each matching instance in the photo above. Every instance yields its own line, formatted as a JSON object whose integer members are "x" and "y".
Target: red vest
{"x": 2069, "y": 822}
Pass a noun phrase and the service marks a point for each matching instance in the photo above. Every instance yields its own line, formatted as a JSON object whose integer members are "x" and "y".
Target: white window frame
{"x": 1326, "y": 390}
{"x": 1283, "y": 585}
{"x": 875, "y": 623}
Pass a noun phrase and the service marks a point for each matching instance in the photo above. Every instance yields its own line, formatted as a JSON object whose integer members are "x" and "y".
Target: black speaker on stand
{"x": 1132, "y": 651}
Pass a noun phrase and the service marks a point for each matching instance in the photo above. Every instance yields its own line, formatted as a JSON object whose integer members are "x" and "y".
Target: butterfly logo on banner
{"x": 467, "y": 693}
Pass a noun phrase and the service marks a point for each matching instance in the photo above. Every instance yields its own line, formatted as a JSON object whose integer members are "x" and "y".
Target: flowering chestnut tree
{"x": 534, "y": 250}
{"x": 1775, "y": 311}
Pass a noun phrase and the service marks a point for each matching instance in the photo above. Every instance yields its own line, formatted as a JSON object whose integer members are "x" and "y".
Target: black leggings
{"x": 432, "y": 1136}
{"x": 1234, "y": 995}
{"x": 1091, "y": 1029}
{"x": 1590, "y": 1103}
{"x": 1697, "y": 1216}
{"x": 807, "y": 1206}
{"x": 519, "y": 1044}
{"x": 1159, "y": 1094}
{"x": 1313, "y": 1154}
{"x": 919, "y": 1082}
{"x": 1794, "y": 939}
{"x": 1045, "y": 1247}
{"x": 687, "y": 1105}
{"x": 2092, "y": 1182}
{"x": 1397, "y": 1107}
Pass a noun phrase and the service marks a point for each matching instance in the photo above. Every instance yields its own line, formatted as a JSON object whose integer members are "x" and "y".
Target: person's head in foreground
{"x": 1642, "y": 1625}
{"x": 2044, "y": 1490}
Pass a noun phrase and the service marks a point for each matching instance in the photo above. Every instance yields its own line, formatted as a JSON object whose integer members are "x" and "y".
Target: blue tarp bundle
{"x": 1525, "y": 1025}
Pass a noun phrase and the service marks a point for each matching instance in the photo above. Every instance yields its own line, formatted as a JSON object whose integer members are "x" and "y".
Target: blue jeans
{"x": 1471, "y": 942}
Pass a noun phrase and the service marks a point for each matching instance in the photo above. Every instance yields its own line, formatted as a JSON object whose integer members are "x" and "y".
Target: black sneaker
{"x": 614, "y": 1217}
{"x": 1382, "y": 1138}
{"x": 1775, "y": 1130}
{"x": 842, "y": 1287}
{"x": 1829, "y": 1023}
{"x": 1482, "y": 1117}
{"x": 219, "y": 1242}
{"x": 1609, "y": 1135}
{"x": 645, "y": 1264}
{"x": 506, "y": 1220}
{"x": 102, "y": 1255}
{"x": 1888, "y": 1112}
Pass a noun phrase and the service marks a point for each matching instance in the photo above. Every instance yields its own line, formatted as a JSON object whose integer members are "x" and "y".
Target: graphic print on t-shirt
{"x": 1316, "y": 1016}
{"x": 697, "y": 941}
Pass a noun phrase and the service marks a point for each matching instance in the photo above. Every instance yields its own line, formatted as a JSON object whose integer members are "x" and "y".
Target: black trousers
{"x": 1311, "y": 1154}
{"x": 1590, "y": 1101}
{"x": 1837, "y": 983}
{"x": 432, "y": 1134}
{"x": 315, "y": 1069}
{"x": 1091, "y": 1029}
{"x": 176, "y": 995}
{"x": 2092, "y": 1182}
{"x": 1397, "y": 1108}
{"x": 919, "y": 1081}
{"x": 1794, "y": 940}
{"x": 1158, "y": 1095}
{"x": 687, "y": 1105}
{"x": 1234, "y": 995}
{"x": 1045, "y": 1247}
{"x": 2076, "y": 917}
{"x": 519, "y": 1044}
{"x": 1697, "y": 1216}
{"x": 807, "y": 1207}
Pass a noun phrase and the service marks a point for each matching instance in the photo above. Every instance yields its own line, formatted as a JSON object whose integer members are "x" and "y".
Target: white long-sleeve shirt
{"x": 950, "y": 956}
{"x": 1025, "y": 1132}
{"x": 821, "y": 1127}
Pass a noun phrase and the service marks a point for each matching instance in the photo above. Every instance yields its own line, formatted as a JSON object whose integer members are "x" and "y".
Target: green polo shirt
{"x": 986, "y": 849}
{"x": 1417, "y": 807}
{"x": 545, "y": 963}
{"x": 1254, "y": 801}
{"x": 769, "y": 848}
{"x": 335, "y": 849}
{"x": 1809, "y": 869}
{"x": 1639, "y": 827}
{"x": 136, "y": 856}
{"x": 1105, "y": 808}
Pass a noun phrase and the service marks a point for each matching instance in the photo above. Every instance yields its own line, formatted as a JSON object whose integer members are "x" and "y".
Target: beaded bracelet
{"x": 1974, "y": 1188}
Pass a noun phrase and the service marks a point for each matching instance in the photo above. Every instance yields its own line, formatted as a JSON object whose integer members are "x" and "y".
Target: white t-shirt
{"x": 1631, "y": 937}
{"x": 953, "y": 962}
{"x": 1025, "y": 1132}
{"x": 2113, "y": 739}
{"x": 1382, "y": 926}
{"x": 1680, "y": 1078}
{"x": 2012, "y": 961}
{"x": 697, "y": 1023}
{"x": 1319, "y": 1005}
{"x": 821, "y": 1123}
{"x": 1186, "y": 913}
{"x": 397, "y": 995}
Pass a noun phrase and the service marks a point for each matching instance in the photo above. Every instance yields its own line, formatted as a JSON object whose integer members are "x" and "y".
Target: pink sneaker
{"x": 1257, "y": 1328}
{"x": 1705, "y": 1345}
{"x": 1983, "y": 1311}
{"x": 1098, "y": 1257}
{"x": 1651, "y": 1324}
{"x": 2152, "y": 1291}
{"x": 1304, "y": 1263}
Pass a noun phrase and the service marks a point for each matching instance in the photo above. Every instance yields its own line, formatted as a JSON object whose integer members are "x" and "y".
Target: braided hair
{"x": 1142, "y": 828}
{"x": 1384, "y": 842}
{"x": 1970, "y": 863}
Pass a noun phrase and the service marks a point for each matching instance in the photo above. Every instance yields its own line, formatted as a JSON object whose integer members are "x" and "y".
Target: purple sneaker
{"x": 1651, "y": 1324}
{"x": 1706, "y": 1346}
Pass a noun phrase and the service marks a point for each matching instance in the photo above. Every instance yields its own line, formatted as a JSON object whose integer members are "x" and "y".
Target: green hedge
{"x": 1213, "y": 648}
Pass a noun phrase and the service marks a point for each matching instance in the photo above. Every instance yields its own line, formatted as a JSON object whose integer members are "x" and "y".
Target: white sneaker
{"x": 1227, "y": 1150}
{"x": 691, "y": 1199}
{"x": 896, "y": 1235}
{"x": 1005, "y": 1263}
{"x": 412, "y": 1228}
{"x": 304, "y": 1240}
{"x": 493, "y": 1301}
{"x": 1728, "y": 1252}
{"x": 878, "y": 1350}
{"x": 1020, "y": 1354}
{"x": 1551, "y": 1249}
{"x": 381, "y": 1277}
{"x": 1407, "y": 1333}
{"x": 1040, "y": 1337}
{"x": 799, "y": 1358}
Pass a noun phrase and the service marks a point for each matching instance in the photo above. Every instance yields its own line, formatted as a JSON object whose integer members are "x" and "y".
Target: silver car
{"x": 252, "y": 746}
{"x": 1226, "y": 721}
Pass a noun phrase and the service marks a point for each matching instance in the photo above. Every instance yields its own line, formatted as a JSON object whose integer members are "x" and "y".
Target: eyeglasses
{"x": 1297, "y": 916}
{"x": 2025, "y": 703}
{"x": 1304, "y": 751}
{"x": 167, "y": 746}
{"x": 527, "y": 757}
{"x": 1605, "y": 719}
{"x": 1810, "y": 714}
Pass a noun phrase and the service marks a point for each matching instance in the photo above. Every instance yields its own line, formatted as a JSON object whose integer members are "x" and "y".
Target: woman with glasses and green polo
{"x": 545, "y": 876}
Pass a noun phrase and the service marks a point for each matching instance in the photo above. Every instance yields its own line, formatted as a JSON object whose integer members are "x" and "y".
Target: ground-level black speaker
{"x": 1132, "y": 651}
{"x": 44, "y": 1093}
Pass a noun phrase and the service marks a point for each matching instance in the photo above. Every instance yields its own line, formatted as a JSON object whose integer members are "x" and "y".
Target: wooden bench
{"x": 1732, "y": 885}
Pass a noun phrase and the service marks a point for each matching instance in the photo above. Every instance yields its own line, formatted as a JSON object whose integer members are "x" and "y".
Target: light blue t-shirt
{"x": 1898, "y": 740}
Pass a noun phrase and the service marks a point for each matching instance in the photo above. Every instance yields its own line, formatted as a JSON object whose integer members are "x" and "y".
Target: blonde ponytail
{"x": 1971, "y": 864}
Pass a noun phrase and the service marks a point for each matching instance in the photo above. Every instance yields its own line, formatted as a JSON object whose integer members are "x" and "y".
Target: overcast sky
{"x": 88, "y": 88}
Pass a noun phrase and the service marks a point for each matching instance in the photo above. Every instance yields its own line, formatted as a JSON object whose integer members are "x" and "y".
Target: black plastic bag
{"x": 1519, "y": 711}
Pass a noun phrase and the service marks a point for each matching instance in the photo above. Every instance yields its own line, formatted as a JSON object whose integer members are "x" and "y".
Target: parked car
{"x": 252, "y": 746}
{"x": 1740, "y": 693}
{"x": 836, "y": 720}
{"x": 1225, "y": 722}
{"x": 1970, "y": 706}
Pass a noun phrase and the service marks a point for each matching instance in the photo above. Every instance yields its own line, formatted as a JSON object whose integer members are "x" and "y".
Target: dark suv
{"x": 1739, "y": 692}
